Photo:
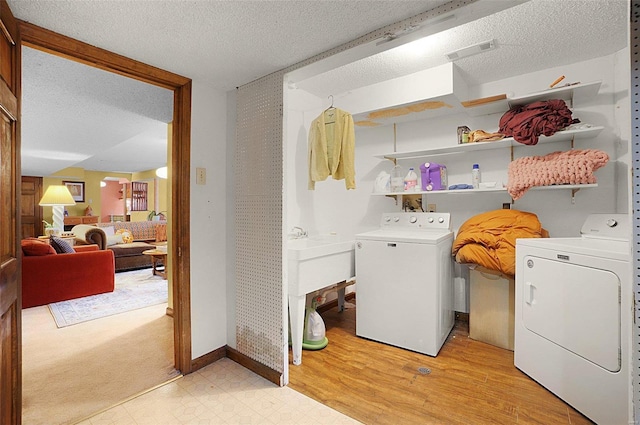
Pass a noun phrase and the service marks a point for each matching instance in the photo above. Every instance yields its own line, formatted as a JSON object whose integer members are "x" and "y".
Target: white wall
{"x": 230, "y": 213}
{"x": 622, "y": 133}
{"x": 331, "y": 208}
{"x": 208, "y": 220}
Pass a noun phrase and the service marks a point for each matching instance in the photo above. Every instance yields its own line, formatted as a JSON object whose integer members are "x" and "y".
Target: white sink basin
{"x": 314, "y": 263}
{"x": 318, "y": 262}
{"x": 317, "y": 246}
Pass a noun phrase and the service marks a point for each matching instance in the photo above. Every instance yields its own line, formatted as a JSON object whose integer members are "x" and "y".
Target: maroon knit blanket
{"x": 526, "y": 122}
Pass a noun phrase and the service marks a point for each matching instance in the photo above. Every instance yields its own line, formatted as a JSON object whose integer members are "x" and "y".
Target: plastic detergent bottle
{"x": 411, "y": 181}
{"x": 475, "y": 176}
{"x": 397, "y": 176}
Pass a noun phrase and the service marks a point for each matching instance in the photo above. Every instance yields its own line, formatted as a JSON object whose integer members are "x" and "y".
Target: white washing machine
{"x": 574, "y": 316}
{"x": 404, "y": 281}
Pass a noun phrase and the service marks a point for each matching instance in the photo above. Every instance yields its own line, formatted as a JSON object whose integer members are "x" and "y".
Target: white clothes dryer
{"x": 574, "y": 316}
{"x": 404, "y": 294}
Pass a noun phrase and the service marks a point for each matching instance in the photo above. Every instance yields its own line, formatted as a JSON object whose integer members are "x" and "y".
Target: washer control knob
{"x": 441, "y": 220}
{"x": 387, "y": 219}
{"x": 413, "y": 219}
{"x": 396, "y": 219}
{"x": 430, "y": 219}
{"x": 612, "y": 222}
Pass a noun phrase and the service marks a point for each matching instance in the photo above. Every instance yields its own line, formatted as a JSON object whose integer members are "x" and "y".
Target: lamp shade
{"x": 57, "y": 195}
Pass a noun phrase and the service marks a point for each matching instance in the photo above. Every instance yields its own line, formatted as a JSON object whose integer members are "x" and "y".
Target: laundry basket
{"x": 492, "y": 307}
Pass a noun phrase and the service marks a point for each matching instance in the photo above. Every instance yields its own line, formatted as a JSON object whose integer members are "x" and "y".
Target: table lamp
{"x": 57, "y": 196}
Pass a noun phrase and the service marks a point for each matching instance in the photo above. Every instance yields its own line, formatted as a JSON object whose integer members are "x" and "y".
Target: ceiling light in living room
{"x": 162, "y": 172}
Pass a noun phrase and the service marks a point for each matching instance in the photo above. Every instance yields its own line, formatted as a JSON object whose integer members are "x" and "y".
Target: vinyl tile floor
{"x": 221, "y": 393}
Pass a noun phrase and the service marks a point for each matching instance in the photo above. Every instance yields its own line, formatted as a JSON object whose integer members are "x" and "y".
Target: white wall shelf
{"x": 449, "y": 101}
{"x": 573, "y": 187}
{"x": 570, "y": 93}
{"x": 560, "y": 136}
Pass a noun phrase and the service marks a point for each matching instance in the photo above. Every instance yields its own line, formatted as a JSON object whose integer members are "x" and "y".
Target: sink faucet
{"x": 298, "y": 232}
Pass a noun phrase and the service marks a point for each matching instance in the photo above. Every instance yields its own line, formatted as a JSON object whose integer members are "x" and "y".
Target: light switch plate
{"x": 201, "y": 175}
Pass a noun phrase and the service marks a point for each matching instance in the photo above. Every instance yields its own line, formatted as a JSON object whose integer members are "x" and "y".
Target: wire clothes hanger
{"x": 330, "y": 106}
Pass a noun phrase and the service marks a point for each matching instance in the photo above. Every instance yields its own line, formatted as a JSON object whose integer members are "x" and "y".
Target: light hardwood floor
{"x": 470, "y": 382}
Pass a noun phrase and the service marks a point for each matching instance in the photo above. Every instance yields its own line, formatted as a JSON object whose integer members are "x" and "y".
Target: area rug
{"x": 133, "y": 290}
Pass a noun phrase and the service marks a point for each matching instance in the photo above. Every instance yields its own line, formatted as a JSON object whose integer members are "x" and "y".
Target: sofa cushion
{"x": 161, "y": 232}
{"x": 109, "y": 230}
{"x": 127, "y": 236}
{"x": 34, "y": 247}
{"x": 52, "y": 278}
{"x": 61, "y": 246}
{"x": 88, "y": 235}
{"x": 114, "y": 239}
{"x": 141, "y": 230}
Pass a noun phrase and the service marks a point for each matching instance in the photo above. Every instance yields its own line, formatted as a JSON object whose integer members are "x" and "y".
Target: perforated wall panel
{"x": 258, "y": 174}
{"x": 635, "y": 142}
{"x": 258, "y": 189}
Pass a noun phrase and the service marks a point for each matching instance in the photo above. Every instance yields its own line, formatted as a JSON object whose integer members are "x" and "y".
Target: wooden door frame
{"x": 69, "y": 48}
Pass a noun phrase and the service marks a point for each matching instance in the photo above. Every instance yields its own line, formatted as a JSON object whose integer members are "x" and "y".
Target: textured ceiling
{"x": 77, "y": 115}
{"x": 229, "y": 43}
{"x": 226, "y": 43}
{"x": 535, "y": 35}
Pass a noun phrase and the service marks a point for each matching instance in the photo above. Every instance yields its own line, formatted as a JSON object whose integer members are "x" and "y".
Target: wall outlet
{"x": 431, "y": 207}
{"x": 506, "y": 206}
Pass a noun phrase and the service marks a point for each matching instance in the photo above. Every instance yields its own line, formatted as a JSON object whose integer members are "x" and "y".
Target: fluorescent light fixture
{"x": 390, "y": 36}
{"x": 485, "y": 46}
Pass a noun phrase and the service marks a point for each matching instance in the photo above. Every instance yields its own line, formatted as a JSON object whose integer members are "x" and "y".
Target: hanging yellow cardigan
{"x": 332, "y": 148}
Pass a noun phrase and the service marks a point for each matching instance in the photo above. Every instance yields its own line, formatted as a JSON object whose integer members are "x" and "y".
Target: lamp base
{"x": 58, "y": 219}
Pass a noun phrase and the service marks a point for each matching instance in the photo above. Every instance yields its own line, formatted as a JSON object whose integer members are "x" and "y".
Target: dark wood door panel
{"x": 30, "y": 211}
{"x": 10, "y": 261}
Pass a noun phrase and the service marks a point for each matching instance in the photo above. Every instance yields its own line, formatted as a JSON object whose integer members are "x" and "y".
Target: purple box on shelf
{"x": 434, "y": 176}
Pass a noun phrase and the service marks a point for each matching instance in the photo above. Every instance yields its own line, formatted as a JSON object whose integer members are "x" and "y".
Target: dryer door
{"x": 575, "y": 307}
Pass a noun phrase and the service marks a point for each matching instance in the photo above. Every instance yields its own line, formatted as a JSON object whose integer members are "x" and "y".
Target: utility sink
{"x": 316, "y": 247}
{"x": 319, "y": 261}
{"x": 314, "y": 263}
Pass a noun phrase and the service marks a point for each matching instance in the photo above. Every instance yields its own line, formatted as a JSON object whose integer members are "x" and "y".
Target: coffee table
{"x": 157, "y": 257}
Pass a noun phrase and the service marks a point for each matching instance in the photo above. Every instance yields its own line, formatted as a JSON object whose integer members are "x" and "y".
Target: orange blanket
{"x": 489, "y": 239}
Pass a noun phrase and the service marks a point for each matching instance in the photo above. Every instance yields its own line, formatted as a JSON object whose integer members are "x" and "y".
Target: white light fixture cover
{"x": 485, "y": 46}
{"x": 162, "y": 172}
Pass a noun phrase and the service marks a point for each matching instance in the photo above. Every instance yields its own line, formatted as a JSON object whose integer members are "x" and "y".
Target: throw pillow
{"x": 109, "y": 230}
{"x": 61, "y": 246}
{"x": 114, "y": 239}
{"x": 34, "y": 246}
{"x": 127, "y": 236}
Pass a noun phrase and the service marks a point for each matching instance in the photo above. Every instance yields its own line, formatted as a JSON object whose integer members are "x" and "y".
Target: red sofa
{"x": 59, "y": 277}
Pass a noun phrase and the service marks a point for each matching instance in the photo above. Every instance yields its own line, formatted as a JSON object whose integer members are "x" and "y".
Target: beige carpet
{"x": 71, "y": 373}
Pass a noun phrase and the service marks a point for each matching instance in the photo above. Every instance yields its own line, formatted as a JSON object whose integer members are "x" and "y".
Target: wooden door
{"x": 30, "y": 211}
{"x": 10, "y": 328}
